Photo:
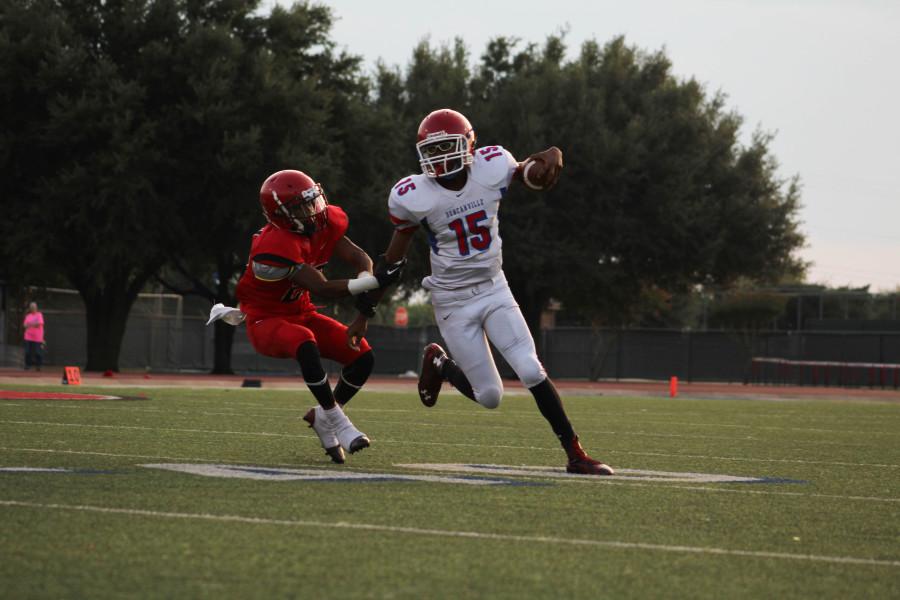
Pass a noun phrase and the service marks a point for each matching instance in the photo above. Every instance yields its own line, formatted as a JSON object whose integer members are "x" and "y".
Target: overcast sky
{"x": 824, "y": 75}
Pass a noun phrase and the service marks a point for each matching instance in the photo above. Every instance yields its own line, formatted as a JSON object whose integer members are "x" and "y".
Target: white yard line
{"x": 92, "y": 425}
{"x": 140, "y": 428}
{"x": 456, "y": 444}
{"x": 475, "y": 413}
{"x": 767, "y": 427}
{"x": 734, "y": 490}
{"x": 580, "y": 480}
{"x": 114, "y": 454}
{"x": 593, "y": 432}
{"x": 292, "y": 413}
{"x": 477, "y": 535}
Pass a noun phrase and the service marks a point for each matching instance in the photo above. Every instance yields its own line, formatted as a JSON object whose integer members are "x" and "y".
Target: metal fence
{"x": 824, "y": 372}
{"x": 184, "y": 343}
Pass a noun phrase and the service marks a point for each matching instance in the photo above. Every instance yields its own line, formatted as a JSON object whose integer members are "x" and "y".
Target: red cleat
{"x": 582, "y": 464}
{"x": 430, "y": 379}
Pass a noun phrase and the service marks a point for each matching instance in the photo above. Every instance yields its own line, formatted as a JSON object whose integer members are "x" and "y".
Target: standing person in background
{"x": 34, "y": 337}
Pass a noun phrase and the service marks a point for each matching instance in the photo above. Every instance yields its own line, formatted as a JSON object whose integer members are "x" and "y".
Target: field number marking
{"x": 284, "y": 474}
{"x": 621, "y": 474}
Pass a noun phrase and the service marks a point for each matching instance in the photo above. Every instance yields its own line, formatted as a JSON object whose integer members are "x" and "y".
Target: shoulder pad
{"x": 337, "y": 220}
{"x": 406, "y": 200}
{"x": 493, "y": 166}
{"x": 286, "y": 244}
{"x": 407, "y": 187}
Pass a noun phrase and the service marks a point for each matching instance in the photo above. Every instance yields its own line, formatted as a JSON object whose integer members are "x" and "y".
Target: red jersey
{"x": 265, "y": 288}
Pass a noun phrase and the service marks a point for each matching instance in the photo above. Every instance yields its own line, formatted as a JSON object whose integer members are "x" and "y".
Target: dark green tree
{"x": 80, "y": 151}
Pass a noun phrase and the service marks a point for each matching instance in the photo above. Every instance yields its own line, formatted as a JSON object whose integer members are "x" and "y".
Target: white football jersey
{"x": 462, "y": 226}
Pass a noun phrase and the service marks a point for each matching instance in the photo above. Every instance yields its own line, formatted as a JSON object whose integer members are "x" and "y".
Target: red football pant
{"x": 279, "y": 337}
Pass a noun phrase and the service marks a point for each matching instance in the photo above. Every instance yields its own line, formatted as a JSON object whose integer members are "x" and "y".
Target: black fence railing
{"x": 171, "y": 344}
{"x": 825, "y": 373}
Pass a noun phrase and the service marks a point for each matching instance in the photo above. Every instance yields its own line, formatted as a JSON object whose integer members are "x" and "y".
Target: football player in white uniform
{"x": 455, "y": 201}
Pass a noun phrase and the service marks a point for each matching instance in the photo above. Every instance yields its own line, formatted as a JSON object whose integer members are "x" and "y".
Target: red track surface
{"x": 22, "y": 395}
{"x": 53, "y": 376}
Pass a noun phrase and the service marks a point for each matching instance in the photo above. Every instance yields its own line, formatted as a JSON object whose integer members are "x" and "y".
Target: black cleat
{"x": 358, "y": 444}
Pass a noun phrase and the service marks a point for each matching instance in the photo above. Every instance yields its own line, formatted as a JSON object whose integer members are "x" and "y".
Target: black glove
{"x": 365, "y": 305}
{"x": 388, "y": 273}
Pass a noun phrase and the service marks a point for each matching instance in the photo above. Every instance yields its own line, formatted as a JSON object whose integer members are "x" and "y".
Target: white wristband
{"x": 362, "y": 284}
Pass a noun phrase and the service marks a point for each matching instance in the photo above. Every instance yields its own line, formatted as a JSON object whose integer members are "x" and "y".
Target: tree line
{"x": 136, "y": 134}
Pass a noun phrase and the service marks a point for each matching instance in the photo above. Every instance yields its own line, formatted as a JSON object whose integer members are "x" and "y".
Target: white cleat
{"x": 319, "y": 422}
{"x": 351, "y": 439}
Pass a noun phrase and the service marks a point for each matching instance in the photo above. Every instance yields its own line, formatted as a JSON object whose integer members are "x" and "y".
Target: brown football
{"x": 536, "y": 175}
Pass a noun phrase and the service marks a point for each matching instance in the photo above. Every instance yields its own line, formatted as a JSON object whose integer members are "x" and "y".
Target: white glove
{"x": 232, "y": 316}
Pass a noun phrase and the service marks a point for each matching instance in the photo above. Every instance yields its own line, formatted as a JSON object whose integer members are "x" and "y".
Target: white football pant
{"x": 468, "y": 318}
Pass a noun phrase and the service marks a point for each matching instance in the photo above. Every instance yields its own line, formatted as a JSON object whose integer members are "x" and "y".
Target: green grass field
{"x": 109, "y": 527}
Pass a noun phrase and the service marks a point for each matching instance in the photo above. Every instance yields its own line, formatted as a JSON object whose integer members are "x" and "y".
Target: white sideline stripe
{"x": 161, "y": 457}
{"x": 33, "y": 470}
{"x": 113, "y": 454}
{"x": 60, "y": 406}
{"x": 726, "y": 490}
{"x": 581, "y": 480}
{"x": 459, "y": 444}
{"x": 754, "y": 459}
{"x": 760, "y": 492}
{"x": 613, "y": 544}
{"x": 765, "y": 427}
{"x": 296, "y": 411}
{"x": 137, "y": 427}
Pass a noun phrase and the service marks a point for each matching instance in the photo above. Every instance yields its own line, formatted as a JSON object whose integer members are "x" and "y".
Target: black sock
{"x": 314, "y": 374}
{"x": 452, "y": 373}
{"x": 551, "y": 407}
{"x": 353, "y": 376}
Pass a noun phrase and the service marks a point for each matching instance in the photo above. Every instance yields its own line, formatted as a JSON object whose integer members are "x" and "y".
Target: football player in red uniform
{"x": 286, "y": 255}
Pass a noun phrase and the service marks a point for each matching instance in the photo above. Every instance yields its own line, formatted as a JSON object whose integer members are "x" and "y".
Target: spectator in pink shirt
{"x": 34, "y": 337}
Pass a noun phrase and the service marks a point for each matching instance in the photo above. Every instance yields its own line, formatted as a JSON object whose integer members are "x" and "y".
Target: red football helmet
{"x": 292, "y": 200}
{"x": 446, "y": 143}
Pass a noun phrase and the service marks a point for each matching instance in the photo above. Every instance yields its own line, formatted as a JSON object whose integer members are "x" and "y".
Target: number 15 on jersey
{"x": 470, "y": 233}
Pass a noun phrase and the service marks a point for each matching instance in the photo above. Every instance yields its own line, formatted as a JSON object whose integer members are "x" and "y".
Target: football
{"x": 536, "y": 175}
